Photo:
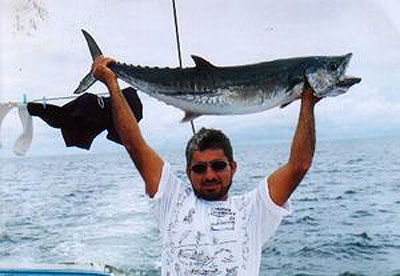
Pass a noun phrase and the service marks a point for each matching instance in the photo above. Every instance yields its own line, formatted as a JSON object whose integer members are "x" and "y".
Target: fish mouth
{"x": 346, "y": 60}
{"x": 343, "y": 85}
{"x": 348, "y": 82}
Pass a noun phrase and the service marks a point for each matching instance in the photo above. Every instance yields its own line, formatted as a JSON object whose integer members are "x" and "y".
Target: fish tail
{"x": 95, "y": 51}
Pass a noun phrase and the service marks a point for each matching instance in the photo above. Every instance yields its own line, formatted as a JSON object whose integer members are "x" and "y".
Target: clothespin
{"x": 44, "y": 102}
{"x": 24, "y": 99}
{"x": 100, "y": 102}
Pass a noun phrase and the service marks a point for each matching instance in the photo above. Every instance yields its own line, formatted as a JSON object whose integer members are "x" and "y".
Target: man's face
{"x": 211, "y": 174}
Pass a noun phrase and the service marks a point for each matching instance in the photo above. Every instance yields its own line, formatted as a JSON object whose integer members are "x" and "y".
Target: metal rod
{"x": 178, "y": 46}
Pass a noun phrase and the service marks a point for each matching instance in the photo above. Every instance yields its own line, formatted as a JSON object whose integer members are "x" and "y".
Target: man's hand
{"x": 101, "y": 71}
{"x": 308, "y": 95}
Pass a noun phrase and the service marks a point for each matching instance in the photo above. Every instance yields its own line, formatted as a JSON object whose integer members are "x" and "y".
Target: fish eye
{"x": 332, "y": 66}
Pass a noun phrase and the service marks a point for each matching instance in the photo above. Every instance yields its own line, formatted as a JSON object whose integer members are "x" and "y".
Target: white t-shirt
{"x": 202, "y": 237}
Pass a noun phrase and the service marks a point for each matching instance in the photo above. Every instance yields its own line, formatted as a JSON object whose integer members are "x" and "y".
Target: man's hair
{"x": 208, "y": 138}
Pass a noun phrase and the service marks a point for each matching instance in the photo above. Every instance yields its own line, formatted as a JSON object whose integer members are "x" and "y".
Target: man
{"x": 204, "y": 230}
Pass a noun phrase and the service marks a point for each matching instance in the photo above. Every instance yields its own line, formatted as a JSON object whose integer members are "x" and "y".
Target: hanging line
{"x": 44, "y": 99}
{"x": 178, "y": 45}
{"x": 64, "y": 97}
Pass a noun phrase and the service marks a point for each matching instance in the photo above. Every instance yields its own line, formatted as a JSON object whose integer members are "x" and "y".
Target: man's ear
{"x": 188, "y": 173}
{"x": 233, "y": 166}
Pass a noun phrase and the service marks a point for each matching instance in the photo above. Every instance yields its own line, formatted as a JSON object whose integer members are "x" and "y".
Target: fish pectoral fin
{"x": 285, "y": 104}
{"x": 201, "y": 63}
{"x": 190, "y": 116}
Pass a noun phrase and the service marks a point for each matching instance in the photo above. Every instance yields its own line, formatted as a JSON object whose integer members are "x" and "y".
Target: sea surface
{"x": 90, "y": 208}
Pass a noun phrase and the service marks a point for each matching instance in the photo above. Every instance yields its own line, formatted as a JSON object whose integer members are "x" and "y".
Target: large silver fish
{"x": 207, "y": 89}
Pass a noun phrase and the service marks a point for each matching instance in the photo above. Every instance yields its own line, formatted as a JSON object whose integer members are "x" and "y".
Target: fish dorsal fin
{"x": 201, "y": 63}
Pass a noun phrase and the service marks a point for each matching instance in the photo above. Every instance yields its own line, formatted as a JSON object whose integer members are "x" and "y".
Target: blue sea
{"x": 90, "y": 208}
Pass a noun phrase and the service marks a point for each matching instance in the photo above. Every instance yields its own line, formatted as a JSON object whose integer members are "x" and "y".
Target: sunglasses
{"x": 216, "y": 165}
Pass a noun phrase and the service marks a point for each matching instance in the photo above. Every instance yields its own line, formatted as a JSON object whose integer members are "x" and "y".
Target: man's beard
{"x": 214, "y": 196}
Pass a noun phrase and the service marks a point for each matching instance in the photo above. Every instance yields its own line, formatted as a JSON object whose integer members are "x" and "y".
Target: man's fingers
{"x": 100, "y": 68}
{"x": 102, "y": 61}
{"x": 306, "y": 84}
{"x": 317, "y": 99}
{"x": 308, "y": 92}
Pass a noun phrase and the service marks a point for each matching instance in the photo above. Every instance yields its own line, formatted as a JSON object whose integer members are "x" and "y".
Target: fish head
{"x": 326, "y": 75}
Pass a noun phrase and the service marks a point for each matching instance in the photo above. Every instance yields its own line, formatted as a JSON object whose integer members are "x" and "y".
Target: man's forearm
{"x": 284, "y": 181}
{"x": 303, "y": 145}
{"x": 146, "y": 160}
{"x": 124, "y": 121}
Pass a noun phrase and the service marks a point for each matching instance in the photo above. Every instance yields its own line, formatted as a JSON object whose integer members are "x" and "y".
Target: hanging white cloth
{"x": 4, "y": 109}
{"x": 23, "y": 142}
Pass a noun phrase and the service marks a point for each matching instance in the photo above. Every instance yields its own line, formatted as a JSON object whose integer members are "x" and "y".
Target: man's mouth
{"x": 210, "y": 186}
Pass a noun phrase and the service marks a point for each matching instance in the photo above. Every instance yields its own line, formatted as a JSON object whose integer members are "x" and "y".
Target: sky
{"x": 43, "y": 53}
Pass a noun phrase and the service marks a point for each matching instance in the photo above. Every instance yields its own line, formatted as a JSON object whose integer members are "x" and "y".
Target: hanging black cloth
{"x": 82, "y": 119}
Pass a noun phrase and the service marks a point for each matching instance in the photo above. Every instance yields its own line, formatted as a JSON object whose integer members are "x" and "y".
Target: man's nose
{"x": 210, "y": 173}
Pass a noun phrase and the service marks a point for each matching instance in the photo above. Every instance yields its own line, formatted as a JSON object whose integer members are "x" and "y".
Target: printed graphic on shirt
{"x": 222, "y": 219}
{"x": 203, "y": 243}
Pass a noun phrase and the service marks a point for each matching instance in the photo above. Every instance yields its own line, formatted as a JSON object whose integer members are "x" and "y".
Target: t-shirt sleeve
{"x": 167, "y": 193}
{"x": 267, "y": 214}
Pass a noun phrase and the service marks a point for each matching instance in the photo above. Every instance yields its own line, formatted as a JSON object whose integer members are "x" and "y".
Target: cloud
{"x": 52, "y": 59}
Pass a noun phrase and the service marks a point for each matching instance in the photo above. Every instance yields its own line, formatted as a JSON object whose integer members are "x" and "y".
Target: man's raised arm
{"x": 146, "y": 160}
{"x": 284, "y": 181}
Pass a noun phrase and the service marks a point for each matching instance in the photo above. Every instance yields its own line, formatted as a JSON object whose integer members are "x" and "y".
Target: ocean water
{"x": 91, "y": 208}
